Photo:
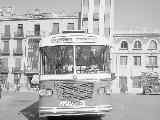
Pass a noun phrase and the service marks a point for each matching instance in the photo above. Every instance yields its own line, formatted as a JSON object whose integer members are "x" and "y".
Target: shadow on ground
{"x": 31, "y": 112}
{"x": 75, "y": 118}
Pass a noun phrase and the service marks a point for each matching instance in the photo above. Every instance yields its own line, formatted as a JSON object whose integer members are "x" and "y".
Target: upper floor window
{"x": 152, "y": 60}
{"x": 137, "y": 60}
{"x": 153, "y": 45}
{"x": 123, "y": 60}
{"x": 55, "y": 29}
{"x": 137, "y": 45}
{"x": 70, "y": 26}
{"x": 37, "y": 29}
{"x": 20, "y": 29}
{"x": 124, "y": 45}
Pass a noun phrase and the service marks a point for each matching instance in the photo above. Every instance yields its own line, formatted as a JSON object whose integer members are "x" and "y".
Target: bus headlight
{"x": 101, "y": 91}
{"x": 108, "y": 90}
{"x": 45, "y": 92}
{"x": 104, "y": 91}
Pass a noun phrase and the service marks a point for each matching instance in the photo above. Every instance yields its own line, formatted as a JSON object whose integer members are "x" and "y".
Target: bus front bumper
{"x": 70, "y": 111}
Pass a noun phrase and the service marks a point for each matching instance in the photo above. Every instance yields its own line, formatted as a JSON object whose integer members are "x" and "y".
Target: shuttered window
{"x": 55, "y": 29}
{"x": 19, "y": 45}
{"x": 20, "y": 30}
{"x": 7, "y": 31}
{"x": 18, "y": 62}
{"x": 6, "y": 46}
{"x": 37, "y": 30}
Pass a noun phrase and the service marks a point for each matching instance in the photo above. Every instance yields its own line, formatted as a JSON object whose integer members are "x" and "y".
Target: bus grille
{"x": 74, "y": 90}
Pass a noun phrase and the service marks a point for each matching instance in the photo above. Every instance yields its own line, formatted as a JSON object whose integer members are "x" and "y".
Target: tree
{"x": 144, "y": 79}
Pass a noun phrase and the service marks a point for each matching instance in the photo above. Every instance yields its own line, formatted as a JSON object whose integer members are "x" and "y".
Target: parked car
{"x": 152, "y": 89}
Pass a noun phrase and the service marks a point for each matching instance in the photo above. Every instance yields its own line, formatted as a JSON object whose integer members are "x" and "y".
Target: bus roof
{"x": 74, "y": 39}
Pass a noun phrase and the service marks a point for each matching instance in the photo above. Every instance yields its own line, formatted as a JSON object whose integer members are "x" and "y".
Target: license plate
{"x": 72, "y": 103}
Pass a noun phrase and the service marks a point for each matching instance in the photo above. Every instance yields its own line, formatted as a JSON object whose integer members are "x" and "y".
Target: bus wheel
{"x": 147, "y": 91}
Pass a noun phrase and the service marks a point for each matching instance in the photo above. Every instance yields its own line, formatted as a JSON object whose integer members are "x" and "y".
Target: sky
{"x": 128, "y": 13}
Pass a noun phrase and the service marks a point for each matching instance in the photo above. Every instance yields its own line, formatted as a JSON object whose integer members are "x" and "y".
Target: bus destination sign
{"x": 84, "y": 39}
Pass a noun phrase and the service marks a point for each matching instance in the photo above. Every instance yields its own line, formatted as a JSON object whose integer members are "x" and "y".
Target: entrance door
{"x": 123, "y": 83}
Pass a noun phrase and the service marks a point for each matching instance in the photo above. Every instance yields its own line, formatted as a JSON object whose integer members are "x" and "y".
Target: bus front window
{"x": 57, "y": 60}
{"x": 92, "y": 59}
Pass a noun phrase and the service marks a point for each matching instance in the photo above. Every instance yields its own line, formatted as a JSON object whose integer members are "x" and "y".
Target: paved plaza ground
{"x": 23, "y": 106}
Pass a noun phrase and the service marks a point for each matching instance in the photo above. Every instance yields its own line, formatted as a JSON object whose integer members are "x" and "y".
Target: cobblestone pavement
{"x": 23, "y": 106}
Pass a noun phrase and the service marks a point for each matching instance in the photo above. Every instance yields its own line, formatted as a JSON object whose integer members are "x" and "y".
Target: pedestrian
{"x": 18, "y": 86}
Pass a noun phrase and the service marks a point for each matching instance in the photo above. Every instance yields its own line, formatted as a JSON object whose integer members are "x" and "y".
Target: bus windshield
{"x": 88, "y": 59}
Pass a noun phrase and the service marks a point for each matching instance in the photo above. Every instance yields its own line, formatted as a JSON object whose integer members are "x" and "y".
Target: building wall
{"x": 46, "y": 26}
{"x": 98, "y": 16}
{"x": 144, "y": 52}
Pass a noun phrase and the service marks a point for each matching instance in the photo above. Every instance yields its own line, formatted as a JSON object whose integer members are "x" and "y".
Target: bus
{"x": 75, "y": 75}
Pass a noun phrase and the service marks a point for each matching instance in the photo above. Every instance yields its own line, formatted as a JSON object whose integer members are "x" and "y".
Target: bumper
{"x": 70, "y": 111}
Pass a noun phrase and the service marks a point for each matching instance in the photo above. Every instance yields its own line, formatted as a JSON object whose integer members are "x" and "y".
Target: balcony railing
{"x": 35, "y": 34}
{"x": 18, "y": 35}
{"x": 4, "y": 70}
{"x": 5, "y": 52}
{"x": 5, "y": 36}
{"x": 17, "y": 52}
{"x": 31, "y": 71}
{"x": 17, "y": 70}
{"x": 152, "y": 66}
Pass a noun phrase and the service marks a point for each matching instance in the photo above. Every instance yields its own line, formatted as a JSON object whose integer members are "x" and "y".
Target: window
{"x": 92, "y": 59}
{"x": 137, "y": 60}
{"x": 6, "y": 46}
{"x": 152, "y": 60}
{"x": 96, "y": 5}
{"x": 7, "y": 31}
{"x": 96, "y": 27}
{"x": 70, "y": 26}
{"x": 57, "y": 60}
{"x": 37, "y": 30}
{"x": 137, "y": 44}
{"x": 85, "y": 6}
{"x": 124, "y": 45}
{"x": 18, "y": 62}
{"x": 55, "y": 29}
{"x": 19, "y": 45}
{"x": 153, "y": 45}
{"x": 20, "y": 30}
{"x": 123, "y": 60}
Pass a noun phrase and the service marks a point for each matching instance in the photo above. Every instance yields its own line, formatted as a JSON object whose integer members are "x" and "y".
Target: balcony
{"x": 4, "y": 70}
{"x": 18, "y": 35}
{"x": 31, "y": 71}
{"x": 38, "y": 34}
{"x": 152, "y": 66}
{"x": 17, "y": 52}
{"x": 5, "y": 36}
{"x": 17, "y": 70}
{"x": 5, "y": 52}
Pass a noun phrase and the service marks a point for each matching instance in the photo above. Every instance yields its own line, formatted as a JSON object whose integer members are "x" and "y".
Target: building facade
{"x": 98, "y": 16}
{"x": 135, "y": 51}
{"x": 19, "y": 42}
